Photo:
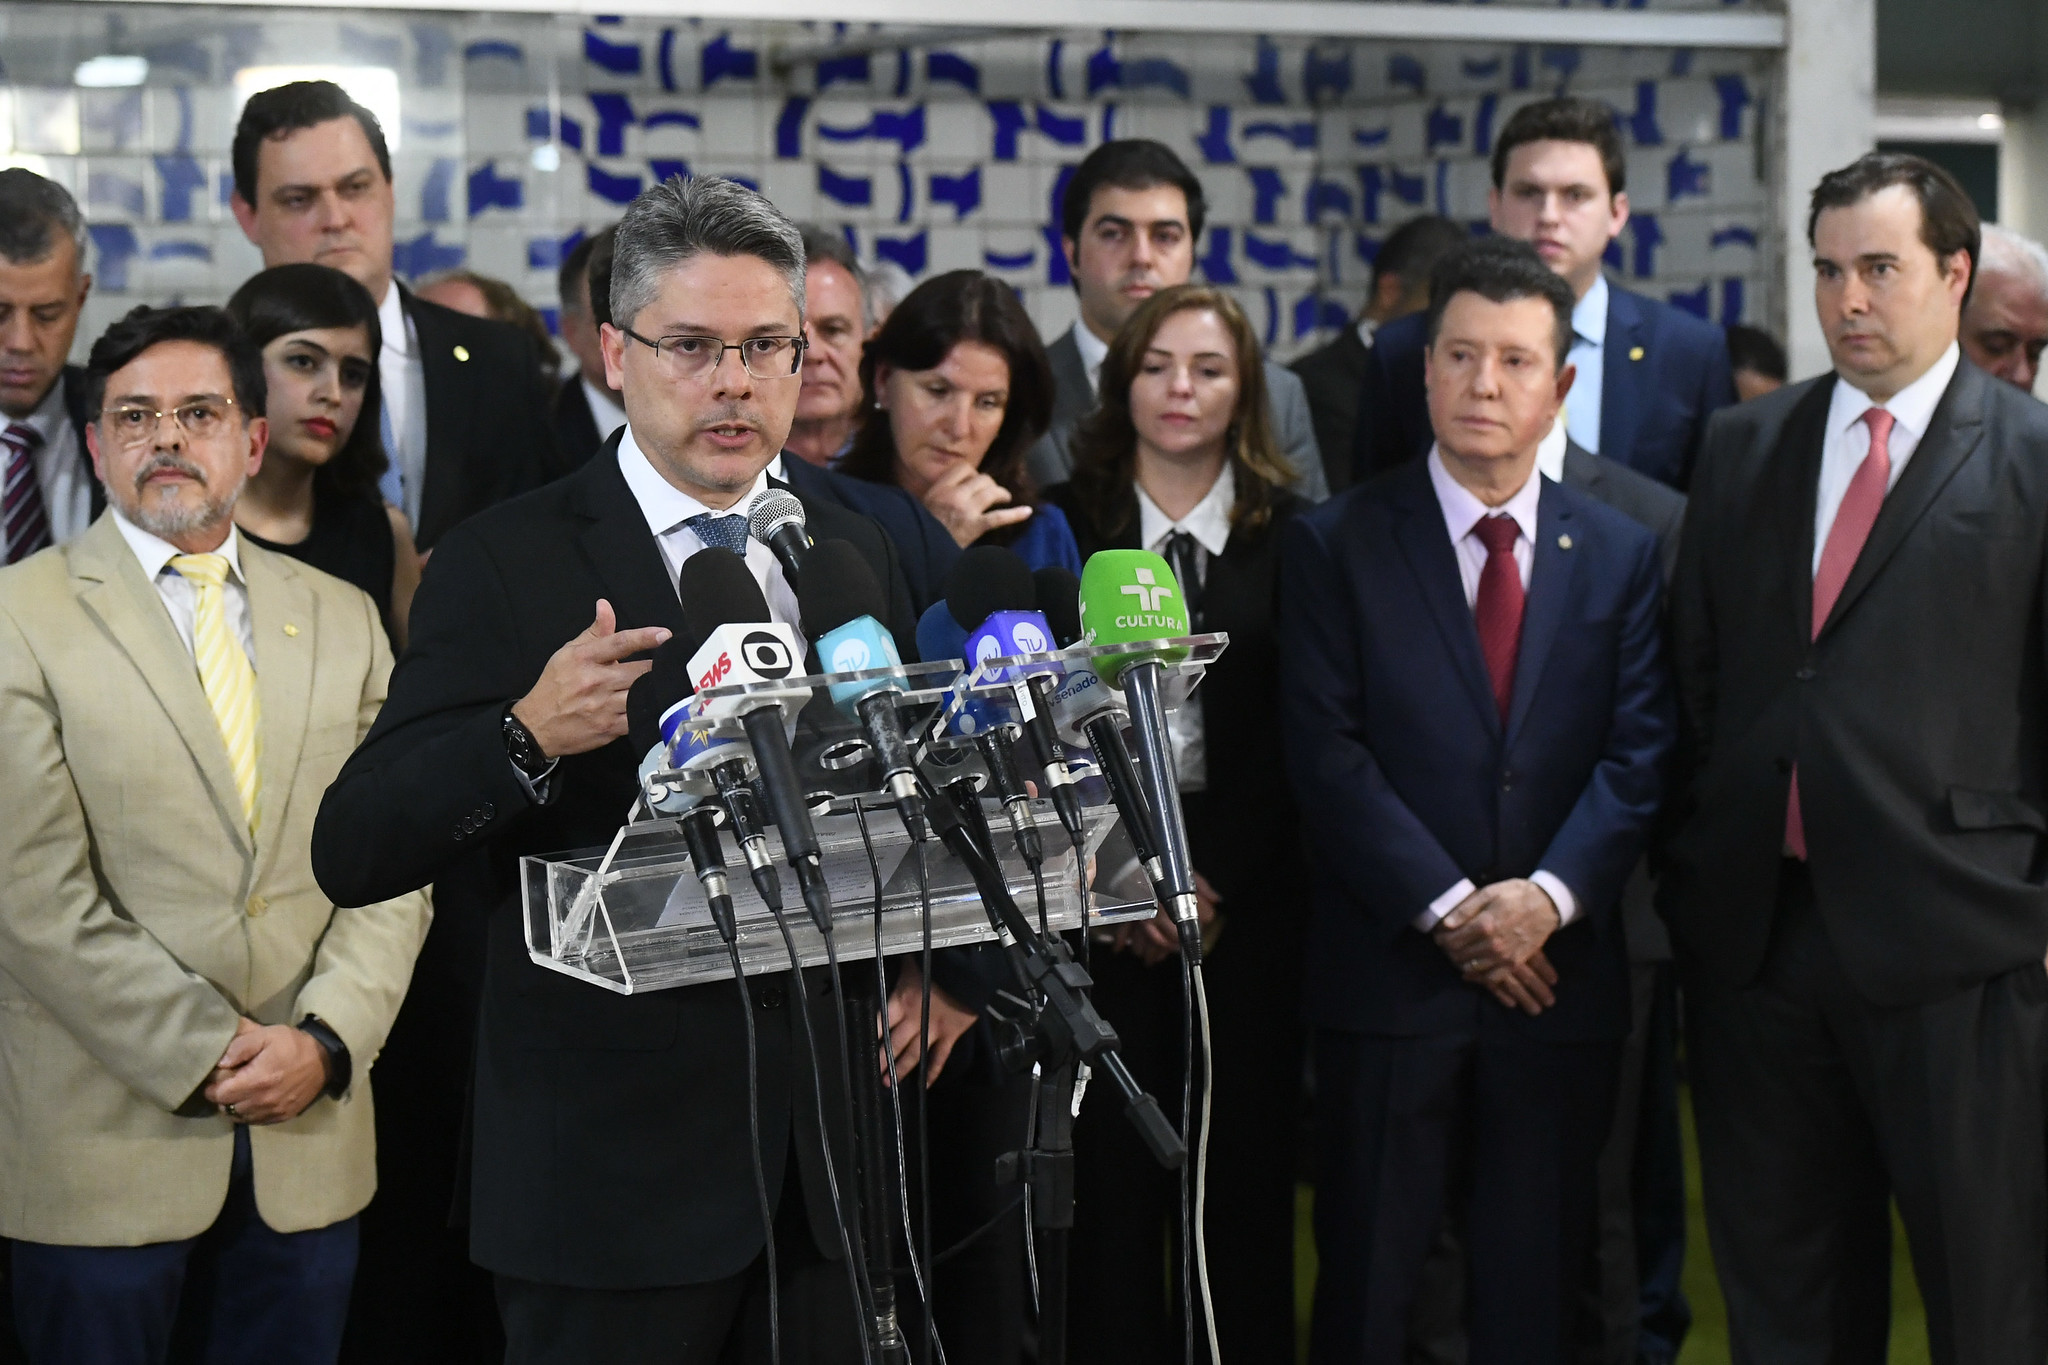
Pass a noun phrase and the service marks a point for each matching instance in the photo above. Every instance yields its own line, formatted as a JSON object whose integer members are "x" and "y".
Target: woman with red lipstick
{"x": 315, "y": 496}
{"x": 1179, "y": 458}
{"x": 961, "y": 390}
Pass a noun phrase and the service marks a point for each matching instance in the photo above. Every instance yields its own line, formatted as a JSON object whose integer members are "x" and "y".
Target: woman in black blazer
{"x": 1179, "y": 458}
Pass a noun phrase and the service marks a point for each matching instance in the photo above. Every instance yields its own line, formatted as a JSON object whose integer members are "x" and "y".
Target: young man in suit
{"x": 1333, "y": 374}
{"x": 47, "y": 490}
{"x": 587, "y": 409}
{"x": 465, "y": 401}
{"x": 1854, "y": 883}
{"x": 1477, "y": 716}
{"x": 1129, "y": 223}
{"x": 506, "y": 735}
{"x": 1649, "y": 375}
{"x": 187, "y": 1135}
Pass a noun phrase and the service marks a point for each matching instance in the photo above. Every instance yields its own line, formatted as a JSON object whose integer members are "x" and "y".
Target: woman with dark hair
{"x": 1179, "y": 459}
{"x": 315, "y": 496}
{"x": 961, "y": 390}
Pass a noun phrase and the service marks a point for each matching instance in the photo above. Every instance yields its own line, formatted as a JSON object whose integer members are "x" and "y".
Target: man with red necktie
{"x": 1855, "y": 878}
{"x": 1477, "y": 715}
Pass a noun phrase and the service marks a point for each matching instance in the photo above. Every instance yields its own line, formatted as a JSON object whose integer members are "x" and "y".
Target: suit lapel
{"x": 621, "y": 548}
{"x": 1426, "y": 544}
{"x": 1619, "y": 415}
{"x": 1788, "y": 492}
{"x": 284, "y": 621}
{"x": 1953, "y": 432}
{"x": 113, "y": 591}
{"x": 443, "y": 376}
{"x": 1558, "y": 550}
{"x": 1071, "y": 396}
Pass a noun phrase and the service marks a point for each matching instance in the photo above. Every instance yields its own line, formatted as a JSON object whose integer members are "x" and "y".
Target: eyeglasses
{"x": 685, "y": 357}
{"x": 202, "y": 419}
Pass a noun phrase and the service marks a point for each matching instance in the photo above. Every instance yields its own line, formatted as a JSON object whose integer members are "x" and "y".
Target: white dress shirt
{"x": 402, "y": 382}
{"x": 1847, "y": 440}
{"x": 606, "y": 413}
{"x": 1589, "y": 347}
{"x": 1208, "y": 521}
{"x": 180, "y": 594}
{"x": 63, "y": 469}
{"x": 1094, "y": 350}
{"x": 1550, "y": 451}
{"x": 667, "y": 507}
{"x": 1463, "y": 511}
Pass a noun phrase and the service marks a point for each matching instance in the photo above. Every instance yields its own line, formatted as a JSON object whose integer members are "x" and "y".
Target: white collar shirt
{"x": 180, "y": 595}
{"x": 1550, "y": 451}
{"x": 667, "y": 507}
{"x": 1462, "y": 511}
{"x": 1094, "y": 350}
{"x": 1847, "y": 439}
{"x": 1208, "y": 521}
{"x": 607, "y": 414}
{"x": 403, "y": 388}
{"x": 1589, "y": 354}
{"x": 63, "y": 471}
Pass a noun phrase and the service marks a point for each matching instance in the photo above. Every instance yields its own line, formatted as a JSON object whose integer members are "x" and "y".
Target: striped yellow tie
{"x": 225, "y": 673}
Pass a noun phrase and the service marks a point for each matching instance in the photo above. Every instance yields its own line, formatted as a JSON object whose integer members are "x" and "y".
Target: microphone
{"x": 1130, "y": 595}
{"x": 726, "y": 618}
{"x": 700, "y": 833}
{"x": 1090, "y": 711}
{"x": 989, "y": 593}
{"x": 841, "y": 602}
{"x": 776, "y": 519}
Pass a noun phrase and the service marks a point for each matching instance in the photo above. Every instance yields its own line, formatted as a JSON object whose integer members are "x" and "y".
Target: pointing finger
{"x": 1006, "y": 516}
{"x": 605, "y": 622}
{"x": 617, "y": 645}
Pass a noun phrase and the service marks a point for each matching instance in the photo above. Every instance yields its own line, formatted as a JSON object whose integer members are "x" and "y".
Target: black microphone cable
{"x": 866, "y": 1283}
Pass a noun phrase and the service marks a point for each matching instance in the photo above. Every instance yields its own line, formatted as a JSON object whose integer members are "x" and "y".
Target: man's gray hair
{"x": 684, "y": 217}
{"x": 2004, "y": 248}
{"x": 34, "y": 212}
{"x": 822, "y": 244}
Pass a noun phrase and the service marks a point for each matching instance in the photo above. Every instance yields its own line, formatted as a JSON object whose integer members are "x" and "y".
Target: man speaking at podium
{"x": 611, "y": 1188}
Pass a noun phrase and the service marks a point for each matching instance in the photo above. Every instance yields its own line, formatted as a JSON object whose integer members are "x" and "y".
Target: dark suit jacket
{"x": 489, "y": 435}
{"x": 1663, "y": 373}
{"x": 1051, "y": 461}
{"x": 1917, "y": 718}
{"x": 576, "y": 435}
{"x": 611, "y": 1146}
{"x": 1333, "y": 375}
{"x": 926, "y": 547}
{"x": 1407, "y": 780}
{"x": 74, "y": 407}
{"x": 1650, "y": 504}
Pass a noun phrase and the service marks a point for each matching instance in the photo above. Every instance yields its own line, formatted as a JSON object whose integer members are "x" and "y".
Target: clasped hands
{"x": 1495, "y": 938}
{"x": 270, "y": 1073}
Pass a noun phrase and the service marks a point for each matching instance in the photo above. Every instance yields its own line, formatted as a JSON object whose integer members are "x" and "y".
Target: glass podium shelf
{"x": 633, "y": 917}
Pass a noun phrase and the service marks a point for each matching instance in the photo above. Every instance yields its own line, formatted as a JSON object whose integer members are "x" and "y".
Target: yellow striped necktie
{"x": 225, "y": 673}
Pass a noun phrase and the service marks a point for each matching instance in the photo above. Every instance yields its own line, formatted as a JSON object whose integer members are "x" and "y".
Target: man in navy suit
{"x": 1649, "y": 375}
{"x": 1477, "y": 717}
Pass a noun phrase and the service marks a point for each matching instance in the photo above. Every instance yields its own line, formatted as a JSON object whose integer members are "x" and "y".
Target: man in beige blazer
{"x": 186, "y": 1023}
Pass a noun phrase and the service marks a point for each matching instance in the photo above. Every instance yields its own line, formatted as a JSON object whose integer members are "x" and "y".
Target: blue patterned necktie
{"x": 724, "y": 531}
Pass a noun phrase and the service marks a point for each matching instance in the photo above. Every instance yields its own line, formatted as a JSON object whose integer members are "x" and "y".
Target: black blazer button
{"x": 772, "y": 998}
{"x": 1804, "y": 675}
{"x": 1783, "y": 765}
{"x": 490, "y": 810}
{"x": 460, "y": 834}
{"x": 1507, "y": 780}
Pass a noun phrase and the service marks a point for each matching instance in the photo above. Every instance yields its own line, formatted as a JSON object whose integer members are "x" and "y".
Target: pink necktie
{"x": 21, "y": 497}
{"x": 1497, "y": 610}
{"x": 1861, "y": 503}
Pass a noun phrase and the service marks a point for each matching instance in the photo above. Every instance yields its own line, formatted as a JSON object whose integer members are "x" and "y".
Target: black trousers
{"x": 724, "y": 1322}
{"x": 1501, "y": 1130}
{"x": 1813, "y": 1106}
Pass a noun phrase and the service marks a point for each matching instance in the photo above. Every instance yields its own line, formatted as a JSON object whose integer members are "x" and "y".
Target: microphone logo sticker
{"x": 986, "y": 648}
{"x": 766, "y": 655}
{"x": 1029, "y": 639}
{"x": 850, "y": 655}
{"x": 1148, "y": 590}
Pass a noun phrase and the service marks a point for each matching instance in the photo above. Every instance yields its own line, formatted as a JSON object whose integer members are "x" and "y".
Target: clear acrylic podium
{"x": 632, "y": 917}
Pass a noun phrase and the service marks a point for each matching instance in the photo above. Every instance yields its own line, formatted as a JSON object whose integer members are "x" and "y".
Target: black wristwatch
{"x": 339, "y": 1067}
{"x": 523, "y": 749}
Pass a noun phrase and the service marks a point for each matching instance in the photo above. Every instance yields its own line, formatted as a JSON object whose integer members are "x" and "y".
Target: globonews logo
{"x": 766, "y": 655}
{"x": 1149, "y": 596}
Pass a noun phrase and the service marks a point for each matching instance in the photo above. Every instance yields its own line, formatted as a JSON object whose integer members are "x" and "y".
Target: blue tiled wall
{"x": 518, "y": 133}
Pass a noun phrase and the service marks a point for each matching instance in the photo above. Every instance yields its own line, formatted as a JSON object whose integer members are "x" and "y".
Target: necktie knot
{"x": 23, "y": 437}
{"x": 1497, "y": 534}
{"x": 720, "y": 530}
{"x": 1880, "y": 423}
{"x": 208, "y": 571}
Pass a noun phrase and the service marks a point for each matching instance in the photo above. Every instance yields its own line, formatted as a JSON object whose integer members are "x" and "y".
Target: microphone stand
{"x": 1064, "y": 1031}
{"x": 876, "y": 1209}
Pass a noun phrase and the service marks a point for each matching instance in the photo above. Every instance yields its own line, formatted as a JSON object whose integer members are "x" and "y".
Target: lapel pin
{"x": 1635, "y": 353}
{"x": 1564, "y": 542}
{"x": 291, "y": 629}
{"x": 462, "y": 353}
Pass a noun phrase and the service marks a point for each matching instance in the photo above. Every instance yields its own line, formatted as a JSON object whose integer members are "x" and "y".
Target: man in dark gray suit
{"x": 1855, "y": 880}
{"x": 1132, "y": 215}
